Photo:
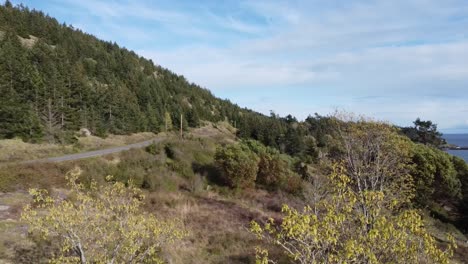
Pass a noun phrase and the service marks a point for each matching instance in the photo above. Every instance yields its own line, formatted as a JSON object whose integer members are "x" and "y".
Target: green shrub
{"x": 169, "y": 184}
{"x": 196, "y": 183}
{"x": 256, "y": 146}
{"x": 272, "y": 170}
{"x": 66, "y": 137}
{"x": 293, "y": 184}
{"x": 203, "y": 157}
{"x": 434, "y": 175}
{"x": 153, "y": 149}
{"x": 238, "y": 165}
{"x": 181, "y": 168}
{"x": 169, "y": 150}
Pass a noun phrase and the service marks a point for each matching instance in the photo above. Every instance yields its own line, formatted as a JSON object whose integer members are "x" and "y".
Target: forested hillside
{"x": 55, "y": 79}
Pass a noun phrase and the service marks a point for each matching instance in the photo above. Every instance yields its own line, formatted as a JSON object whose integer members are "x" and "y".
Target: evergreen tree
{"x": 64, "y": 79}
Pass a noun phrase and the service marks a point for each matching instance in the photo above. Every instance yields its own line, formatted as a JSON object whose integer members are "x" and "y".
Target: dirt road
{"x": 94, "y": 153}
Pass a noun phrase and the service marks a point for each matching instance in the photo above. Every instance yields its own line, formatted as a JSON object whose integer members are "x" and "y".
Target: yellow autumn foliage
{"x": 338, "y": 230}
{"x": 99, "y": 225}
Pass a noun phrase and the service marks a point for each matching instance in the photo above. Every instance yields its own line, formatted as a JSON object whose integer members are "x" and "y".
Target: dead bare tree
{"x": 52, "y": 121}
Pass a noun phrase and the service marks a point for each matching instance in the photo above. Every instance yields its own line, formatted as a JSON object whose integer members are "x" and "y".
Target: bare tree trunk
{"x": 86, "y": 116}
{"x": 11, "y": 79}
{"x": 36, "y": 102}
{"x": 81, "y": 253}
{"x": 181, "y": 125}
{"x": 62, "y": 116}
{"x": 49, "y": 114}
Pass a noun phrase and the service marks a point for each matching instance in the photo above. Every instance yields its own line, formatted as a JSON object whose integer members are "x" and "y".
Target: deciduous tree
{"x": 104, "y": 225}
{"x": 338, "y": 232}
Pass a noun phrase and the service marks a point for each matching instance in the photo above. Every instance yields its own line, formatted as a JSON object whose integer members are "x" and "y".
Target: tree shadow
{"x": 210, "y": 171}
{"x": 239, "y": 259}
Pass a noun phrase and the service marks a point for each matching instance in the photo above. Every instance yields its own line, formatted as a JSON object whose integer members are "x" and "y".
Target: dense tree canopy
{"x": 54, "y": 79}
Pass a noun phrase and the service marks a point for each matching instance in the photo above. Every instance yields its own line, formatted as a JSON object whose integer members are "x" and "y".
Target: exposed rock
{"x": 28, "y": 42}
{"x": 187, "y": 102}
{"x": 447, "y": 208}
{"x": 84, "y": 132}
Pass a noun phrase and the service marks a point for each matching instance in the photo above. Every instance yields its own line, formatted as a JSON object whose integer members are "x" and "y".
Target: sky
{"x": 392, "y": 60}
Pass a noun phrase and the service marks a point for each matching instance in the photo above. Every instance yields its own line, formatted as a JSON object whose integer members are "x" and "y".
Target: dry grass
{"x": 94, "y": 143}
{"x": 217, "y": 225}
{"x": 11, "y": 233}
{"x": 16, "y": 246}
{"x": 439, "y": 230}
{"x": 22, "y": 177}
{"x": 12, "y": 203}
{"x": 13, "y": 150}
{"x": 222, "y": 132}
{"x": 10, "y": 238}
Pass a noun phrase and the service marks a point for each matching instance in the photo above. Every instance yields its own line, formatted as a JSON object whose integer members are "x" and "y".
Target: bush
{"x": 196, "y": 183}
{"x": 66, "y": 137}
{"x": 255, "y": 146}
{"x": 169, "y": 150}
{"x": 272, "y": 170}
{"x": 238, "y": 165}
{"x": 462, "y": 174}
{"x": 434, "y": 175}
{"x": 294, "y": 184}
{"x": 183, "y": 169}
{"x": 153, "y": 149}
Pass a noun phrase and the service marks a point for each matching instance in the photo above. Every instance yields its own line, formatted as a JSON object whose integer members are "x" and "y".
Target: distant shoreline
{"x": 456, "y": 148}
{"x": 457, "y": 141}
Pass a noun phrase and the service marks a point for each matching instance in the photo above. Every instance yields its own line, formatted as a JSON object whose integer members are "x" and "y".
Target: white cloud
{"x": 136, "y": 9}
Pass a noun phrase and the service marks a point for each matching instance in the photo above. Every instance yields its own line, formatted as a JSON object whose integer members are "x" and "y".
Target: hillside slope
{"x": 56, "y": 79}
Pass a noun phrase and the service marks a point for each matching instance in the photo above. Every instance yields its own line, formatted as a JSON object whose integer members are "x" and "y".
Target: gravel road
{"x": 94, "y": 153}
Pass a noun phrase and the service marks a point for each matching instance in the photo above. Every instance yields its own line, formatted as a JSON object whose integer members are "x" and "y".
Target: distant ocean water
{"x": 460, "y": 140}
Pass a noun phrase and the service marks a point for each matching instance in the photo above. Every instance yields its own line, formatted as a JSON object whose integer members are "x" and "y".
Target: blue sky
{"x": 392, "y": 60}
